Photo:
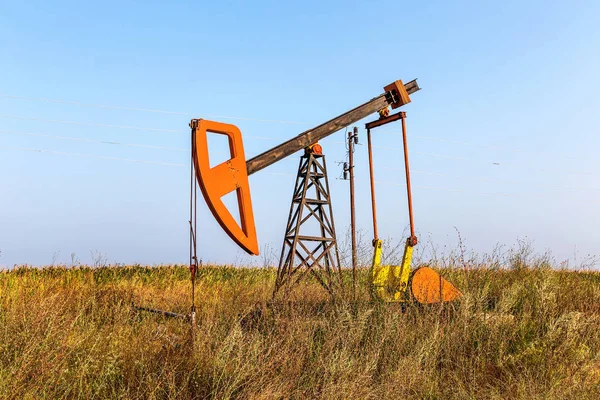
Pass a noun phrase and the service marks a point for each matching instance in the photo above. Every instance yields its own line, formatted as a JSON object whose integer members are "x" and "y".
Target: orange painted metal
{"x": 429, "y": 287}
{"x": 224, "y": 178}
{"x": 315, "y": 148}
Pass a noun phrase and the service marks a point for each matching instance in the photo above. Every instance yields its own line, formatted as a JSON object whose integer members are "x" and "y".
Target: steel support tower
{"x": 309, "y": 244}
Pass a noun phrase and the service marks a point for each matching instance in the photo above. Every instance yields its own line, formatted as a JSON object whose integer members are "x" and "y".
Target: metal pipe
{"x": 372, "y": 179}
{"x": 413, "y": 238}
{"x": 351, "y": 138}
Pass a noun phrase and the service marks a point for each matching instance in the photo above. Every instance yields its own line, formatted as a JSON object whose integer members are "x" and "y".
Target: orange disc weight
{"x": 429, "y": 287}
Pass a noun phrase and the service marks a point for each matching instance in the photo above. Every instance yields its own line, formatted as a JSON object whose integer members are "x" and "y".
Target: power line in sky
{"x": 181, "y": 149}
{"x": 109, "y": 142}
{"x": 216, "y": 152}
{"x": 139, "y": 128}
{"x": 151, "y": 110}
{"x": 455, "y": 190}
{"x": 90, "y": 124}
{"x": 488, "y": 146}
{"x": 496, "y": 163}
{"x": 489, "y": 180}
{"x": 63, "y": 153}
{"x": 91, "y": 156}
{"x": 148, "y": 110}
{"x": 88, "y": 140}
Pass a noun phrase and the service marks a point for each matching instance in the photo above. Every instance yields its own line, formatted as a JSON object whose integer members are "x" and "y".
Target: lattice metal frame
{"x": 299, "y": 255}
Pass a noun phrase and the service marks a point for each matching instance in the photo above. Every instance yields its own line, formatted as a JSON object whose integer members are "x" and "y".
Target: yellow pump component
{"x": 391, "y": 281}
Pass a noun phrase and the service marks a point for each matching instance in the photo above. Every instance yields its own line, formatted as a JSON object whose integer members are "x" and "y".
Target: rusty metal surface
{"x": 413, "y": 238}
{"x": 372, "y": 182}
{"x": 399, "y": 93}
{"x": 374, "y": 124}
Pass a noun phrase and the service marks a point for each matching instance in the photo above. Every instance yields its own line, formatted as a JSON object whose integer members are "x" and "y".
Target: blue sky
{"x": 503, "y": 136}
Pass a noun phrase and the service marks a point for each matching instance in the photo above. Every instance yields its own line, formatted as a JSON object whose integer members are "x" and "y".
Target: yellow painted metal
{"x": 406, "y": 263}
{"x": 377, "y": 254}
{"x": 391, "y": 281}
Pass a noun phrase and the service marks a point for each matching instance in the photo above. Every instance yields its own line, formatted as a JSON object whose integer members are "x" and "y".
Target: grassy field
{"x": 523, "y": 332}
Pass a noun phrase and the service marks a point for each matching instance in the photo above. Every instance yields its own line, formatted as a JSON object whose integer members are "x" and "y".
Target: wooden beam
{"x": 312, "y": 136}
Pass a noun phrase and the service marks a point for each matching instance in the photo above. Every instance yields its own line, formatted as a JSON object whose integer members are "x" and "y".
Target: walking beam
{"x": 396, "y": 95}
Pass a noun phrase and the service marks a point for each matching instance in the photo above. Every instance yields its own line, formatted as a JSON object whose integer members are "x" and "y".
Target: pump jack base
{"x": 391, "y": 283}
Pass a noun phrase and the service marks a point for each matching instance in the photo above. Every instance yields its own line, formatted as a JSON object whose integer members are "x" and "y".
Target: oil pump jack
{"x": 301, "y": 253}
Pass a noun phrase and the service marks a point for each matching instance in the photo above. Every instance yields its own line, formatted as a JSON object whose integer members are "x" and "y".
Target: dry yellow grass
{"x": 530, "y": 333}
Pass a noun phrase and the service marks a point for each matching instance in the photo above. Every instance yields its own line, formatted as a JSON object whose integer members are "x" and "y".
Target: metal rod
{"x": 351, "y": 138}
{"x": 191, "y": 196}
{"x": 372, "y": 181}
{"x": 413, "y": 238}
{"x": 193, "y": 265}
